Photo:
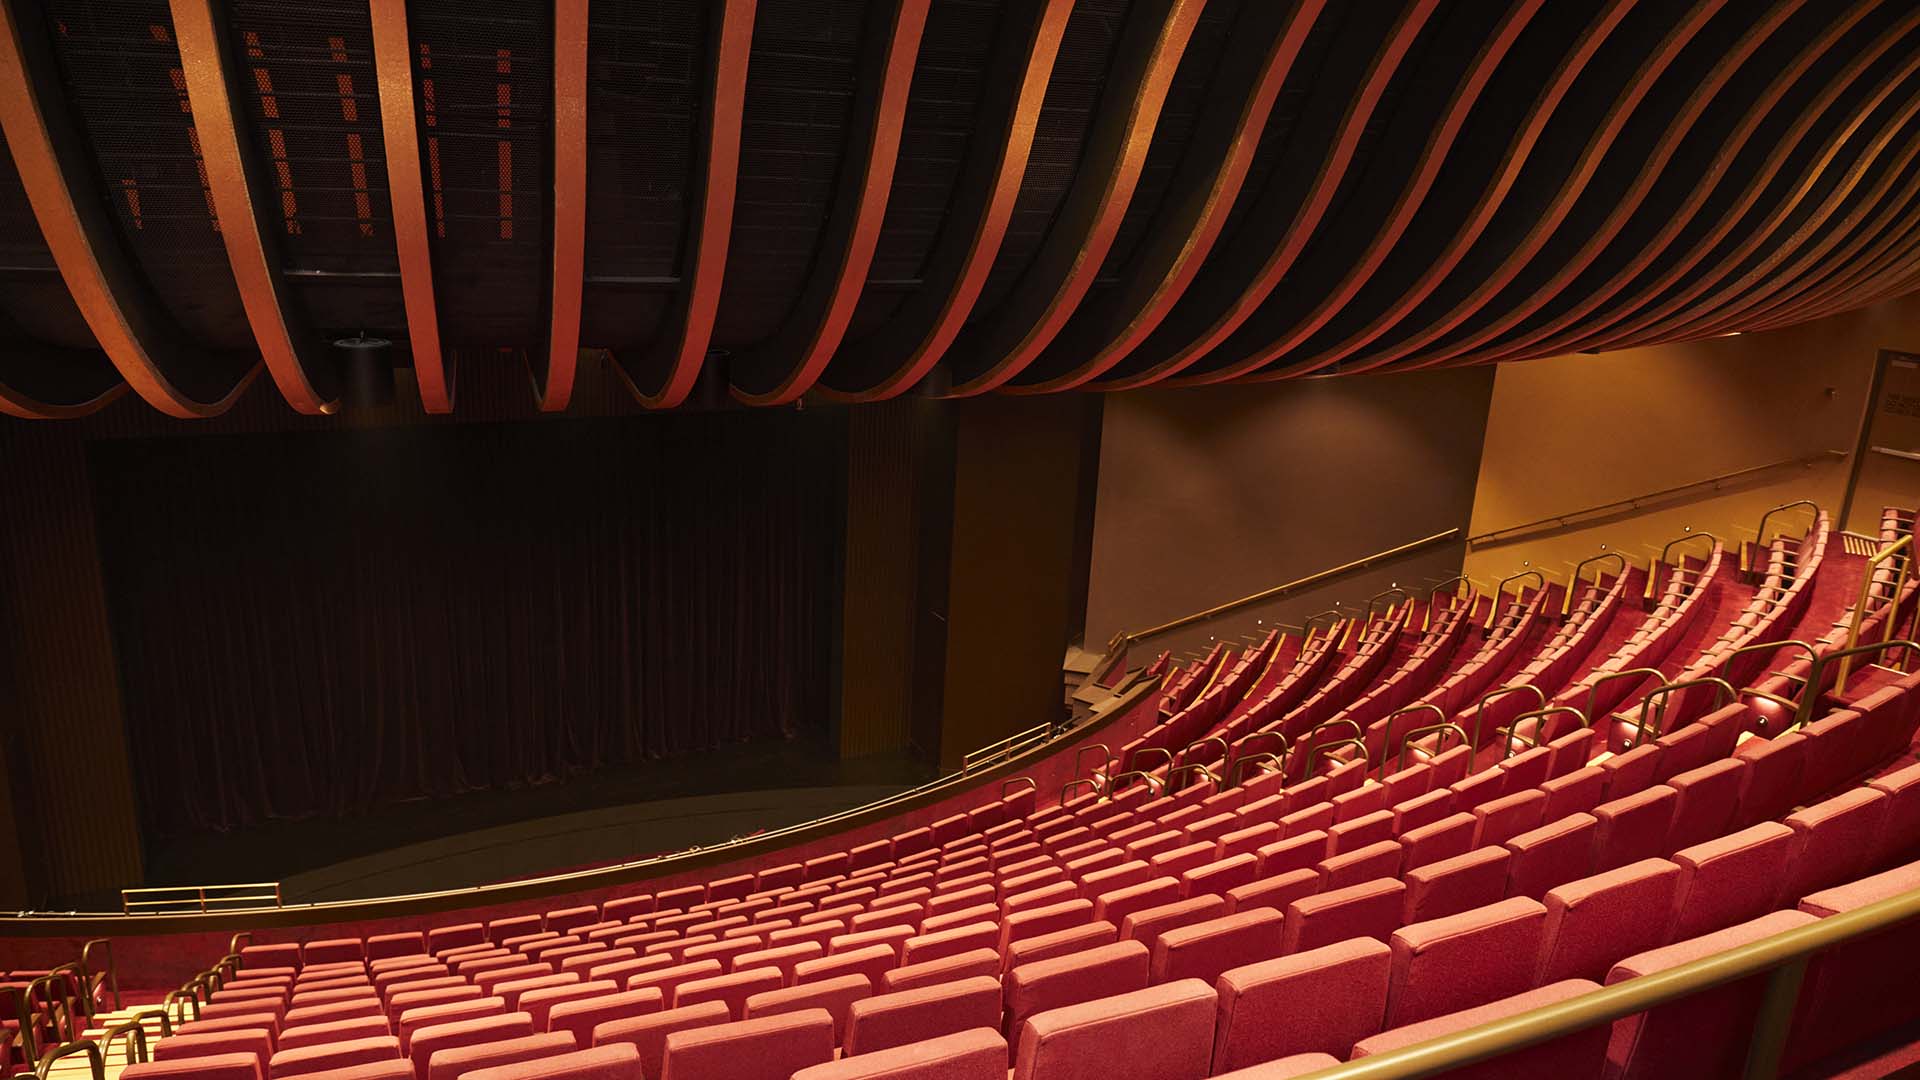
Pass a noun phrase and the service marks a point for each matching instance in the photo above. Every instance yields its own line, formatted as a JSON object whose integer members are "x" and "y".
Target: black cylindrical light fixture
{"x": 366, "y": 369}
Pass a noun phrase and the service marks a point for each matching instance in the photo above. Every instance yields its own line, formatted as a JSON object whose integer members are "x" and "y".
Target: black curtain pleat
{"x": 322, "y": 624}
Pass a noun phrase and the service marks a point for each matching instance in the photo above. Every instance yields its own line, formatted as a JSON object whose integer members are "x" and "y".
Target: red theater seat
{"x": 1261, "y": 1017}
{"x": 599, "y": 1063}
{"x": 1448, "y": 964}
{"x": 428, "y": 1041}
{"x": 1594, "y": 921}
{"x": 836, "y": 996}
{"x": 1203, "y": 950}
{"x": 1069, "y": 980}
{"x": 218, "y": 1067}
{"x": 1160, "y": 1033}
{"x": 1581, "y": 1054}
{"x": 460, "y": 1061}
{"x": 769, "y": 1048}
{"x": 1730, "y": 880}
{"x": 1702, "y": 1035}
{"x": 910, "y": 1016}
{"x": 976, "y": 1054}
{"x": 337, "y": 1055}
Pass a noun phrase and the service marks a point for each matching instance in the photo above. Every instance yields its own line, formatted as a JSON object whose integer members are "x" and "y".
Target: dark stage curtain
{"x": 319, "y": 624}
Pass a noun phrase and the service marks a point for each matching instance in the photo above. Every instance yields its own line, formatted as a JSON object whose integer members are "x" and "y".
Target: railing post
{"x": 1774, "y": 1019}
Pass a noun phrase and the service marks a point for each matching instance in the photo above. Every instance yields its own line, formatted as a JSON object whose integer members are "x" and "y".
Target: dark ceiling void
{"x": 777, "y": 201}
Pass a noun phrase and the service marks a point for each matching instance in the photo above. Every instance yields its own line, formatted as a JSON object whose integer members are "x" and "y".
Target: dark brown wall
{"x": 899, "y": 489}
{"x": 1211, "y": 494}
{"x": 73, "y": 794}
{"x": 1011, "y": 600}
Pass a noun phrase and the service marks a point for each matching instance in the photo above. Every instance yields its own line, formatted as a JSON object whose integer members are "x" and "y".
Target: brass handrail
{"x": 1155, "y": 785}
{"x": 161, "y": 900}
{"x": 1134, "y": 765}
{"x": 1201, "y": 769}
{"x": 1006, "y": 747}
{"x": 1012, "y": 780}
{"x": 1845, "y": 656}
{"x": 1106, "y": 758}
{"x": 1291, "y": 586}
{"x": 1235, "y": 773}
{"x": 95, "y": 1065}
{"x": 1593, "y": 691}
{"x": 1407, "y": 739}
{"x": 1375, "y": 598}
{"x": 1660, "y": 692}
{"x": 1071, "y": 784}
{"x": 136, "y": 1046}
{"x": 1760, "y": 534}
{"x": 1513, "y": 725}
{"x": 1357, "y": 744}
{"x": 1386, "y": 730}
{"x": 1563, "y": 521}
{"x": 1782, "y": 956}
{"x": 1480, "y": 714}
{"x": 1238, "y": 749}
{"x": 1500, "y": 588}
{"x": 111, "y": 973}
{"x": 1859, "y": 609}
{"x": 1433, "y": 597}
{"x": 1566, "y": 602}
{"x": 1224, "y": 749}
{"x": 1653, "y": 576}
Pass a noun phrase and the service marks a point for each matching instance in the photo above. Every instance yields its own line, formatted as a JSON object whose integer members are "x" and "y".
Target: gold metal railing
{"x": 1005, "y": 748}
{"x": 200, "y": 899}
{"x": 1572, "y": 518}
{"x": 1290, "y": 587}
{"x": 1782, "y": 957}
{"x": 1905, "y": 544}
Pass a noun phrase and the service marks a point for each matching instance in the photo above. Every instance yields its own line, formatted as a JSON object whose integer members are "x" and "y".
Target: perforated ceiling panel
{"x": 799, "y": 97}
{"x": 32, "y": 296}
{"x": 644, "y": 61}
{"x": 315, "y": 114}
{"x": 123, "y": 82}
{"x": 483, "y": 79}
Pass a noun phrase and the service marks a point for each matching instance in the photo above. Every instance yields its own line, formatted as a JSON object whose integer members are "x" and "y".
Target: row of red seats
{"x": 1338, "y": 916}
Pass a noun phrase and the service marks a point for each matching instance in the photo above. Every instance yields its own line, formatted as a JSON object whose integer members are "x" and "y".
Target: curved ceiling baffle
{"x": 137, "y": 335}
{"x": 1668, "y": 126}
{"x": 1266, "y": 43}
{"x": 1873, "y": 216}
{"x": 784, "y": 367}
{"x": 1001, "y": 344}
{"x": 288, "y": 346}
{"x": 39, "y": 381}
{"x": 1872, "y": 252}
{"x": 897, "y": 356}
{"x": 664, "y": 374}
{"x": 554, "y": 375}
{"x": 1739, "y": 187}
{"x": 1514, "y": 114}
{"x": 1650, "y": 233}
{"x": 1797, "y": 165}
{"x": 1441, "y": 88}
{"x": 1588, "y": 120}
{"x": 1866, "y": 201}
{"x": 1361, "y": 58}
{"x": 1762, "y": 254}
{"x": 406, "y": 187}
{"x": 1850, "y": 276}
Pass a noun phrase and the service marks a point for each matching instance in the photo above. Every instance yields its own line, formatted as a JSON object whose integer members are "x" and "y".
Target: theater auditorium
{"x": 959, "y": 539}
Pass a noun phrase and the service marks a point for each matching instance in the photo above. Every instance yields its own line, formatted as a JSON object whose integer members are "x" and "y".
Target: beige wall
{"x": 1214, "y": 493}
{"x": 1579, "y": 430}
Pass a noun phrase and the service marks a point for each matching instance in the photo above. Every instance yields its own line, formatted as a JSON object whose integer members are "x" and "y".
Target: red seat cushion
{"x": 1162, "y": 1032}
{"x": 1260, "y": 1004}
